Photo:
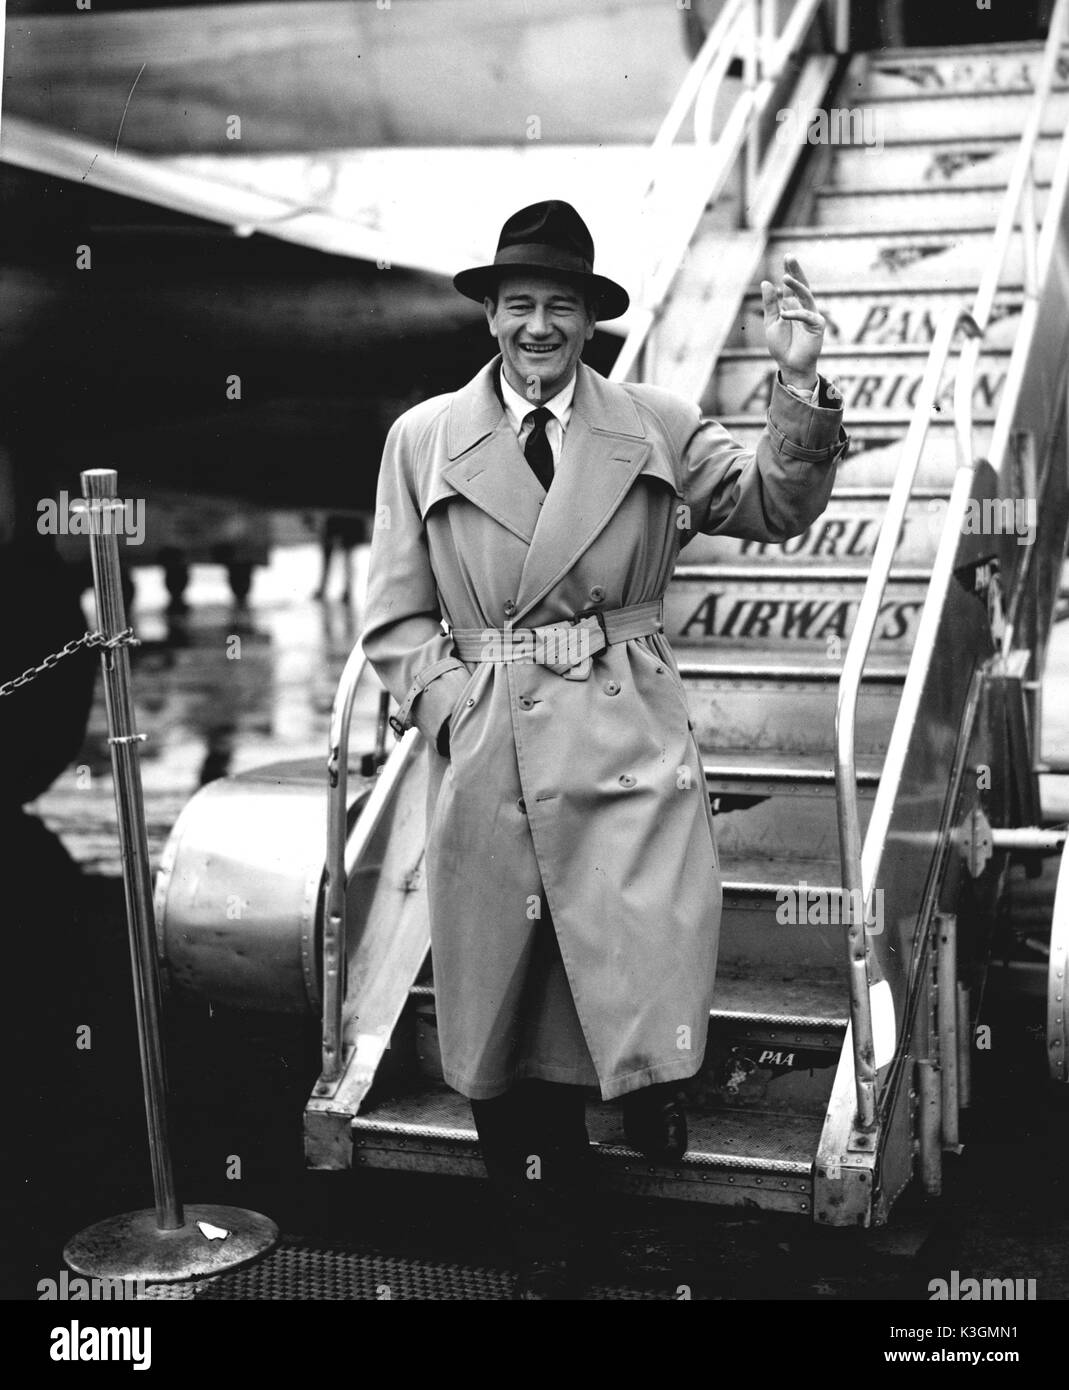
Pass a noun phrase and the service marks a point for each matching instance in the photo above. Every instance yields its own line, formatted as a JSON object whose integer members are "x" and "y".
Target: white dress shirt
{"x": 518, "y": 407}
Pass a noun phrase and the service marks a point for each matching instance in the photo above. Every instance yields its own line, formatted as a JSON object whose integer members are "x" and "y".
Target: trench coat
{"x": 578, "y": 800}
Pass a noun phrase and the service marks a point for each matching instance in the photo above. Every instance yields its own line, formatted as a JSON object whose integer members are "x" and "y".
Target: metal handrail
{"x": 342, "y": 854}
{"x": 859, "y": 883}
{"x": 341, "y": 715}
{"x": 744, "y": 28}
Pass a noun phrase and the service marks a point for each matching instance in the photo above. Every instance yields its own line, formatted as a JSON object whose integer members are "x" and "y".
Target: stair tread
{"x": 745, "y": 1140}
{"x": 851, "y": 350}
{"x": 831, "y": 190}
{"x": 853, "y": 492}
{"x": 772, "y": 762}
{"x": 953, "y": 94}
{"x": 957, "y": 50}
{"x": 905, "y": 288}
{"x": 748, "y": 876}
{"x": 893, "y": 427}
{"x": 962, "y": 142}
{"x": 779, "y": 571}
{"x": 814, "y": 230}
{"x": 722, "y": 659}
{"x": 818, "y": 1001}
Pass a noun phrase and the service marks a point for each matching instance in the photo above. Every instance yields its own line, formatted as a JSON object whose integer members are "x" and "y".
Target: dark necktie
{"x": 537, "y": 450}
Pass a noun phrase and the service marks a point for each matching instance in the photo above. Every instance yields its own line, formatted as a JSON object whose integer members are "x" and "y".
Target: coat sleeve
{"x": 403, "y": 636}
{"x": 775, "y": 491}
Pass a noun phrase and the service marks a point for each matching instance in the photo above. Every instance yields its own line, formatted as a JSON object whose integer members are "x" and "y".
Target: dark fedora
{"x": 547, "y": 239}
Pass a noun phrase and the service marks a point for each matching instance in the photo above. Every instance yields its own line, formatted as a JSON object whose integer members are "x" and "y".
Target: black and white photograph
{"x": 534, "y": 671}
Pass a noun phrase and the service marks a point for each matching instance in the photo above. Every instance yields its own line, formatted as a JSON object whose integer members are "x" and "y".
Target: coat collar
{"x": 476, "y": 411}
{"x": 605, "y": 448}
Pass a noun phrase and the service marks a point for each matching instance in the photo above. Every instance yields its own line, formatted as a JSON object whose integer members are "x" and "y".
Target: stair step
{"x": 788, "y": 708}
{"x": 770, "y": 771}
{"x": 848, "y": 529}
{"x": 946, "y": 163}
{"x": 729, "y": 661}
{"x": 771, "y": 573}
{"x": 817, "y": 1003}
{"x": 891, "y": 207}
{"x": 977, "y": 70}
{"x": 810, "y": 610}
{"x": 736, "y": 1157}
{"x": 814, "y": 1010}
{"x": 754, "y": 880}
{"x": 889, "y": 318}
{"x": 877, "y": 259}
{"x": 782, "y": 912}
{"x": 876, "y": 449}
{"x": 909, "y": 117}
{"x": 881, "y": 381}
{"x": 773, "y": 818}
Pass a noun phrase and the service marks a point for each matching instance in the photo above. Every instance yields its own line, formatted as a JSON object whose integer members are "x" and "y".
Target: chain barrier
{"x": 125, "y": 638}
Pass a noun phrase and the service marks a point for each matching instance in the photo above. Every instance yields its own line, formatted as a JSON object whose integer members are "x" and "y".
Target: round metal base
{"x": 133, "y": 1247}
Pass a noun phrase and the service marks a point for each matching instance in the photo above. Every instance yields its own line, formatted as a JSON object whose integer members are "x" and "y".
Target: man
{"x": 572, "y": 873}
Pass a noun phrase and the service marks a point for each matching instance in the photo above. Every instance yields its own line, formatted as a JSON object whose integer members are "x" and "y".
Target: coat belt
{"x": 565, "y": 647}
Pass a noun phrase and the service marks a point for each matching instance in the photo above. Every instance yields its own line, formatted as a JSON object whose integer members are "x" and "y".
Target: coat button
{"x": 526, "y": 702}
{"x": 597, "y": 593}
{"x": 510, "y": 608}
{"x": 626, "y": 780}
{"x": 612, "y": 687}
{"x": 521, "y": 806}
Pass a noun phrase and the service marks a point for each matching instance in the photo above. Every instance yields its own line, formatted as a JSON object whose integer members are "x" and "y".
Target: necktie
{"x": 537, "y": 450}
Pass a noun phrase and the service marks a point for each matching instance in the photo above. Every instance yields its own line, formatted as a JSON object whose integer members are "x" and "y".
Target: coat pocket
{"x": 663, "y": 669}
{"x": 461, "y": 706}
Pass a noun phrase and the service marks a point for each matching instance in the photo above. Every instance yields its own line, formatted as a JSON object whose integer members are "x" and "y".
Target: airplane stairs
{"x": 890, "y": 238}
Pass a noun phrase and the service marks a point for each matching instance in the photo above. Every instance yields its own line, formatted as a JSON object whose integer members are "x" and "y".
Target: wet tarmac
{"x": 238, "y": 1081}
{"x": 217, "y": 690}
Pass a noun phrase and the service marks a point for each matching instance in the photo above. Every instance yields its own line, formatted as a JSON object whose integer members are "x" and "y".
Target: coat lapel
{"x": 488, "y": 466}
{"x": 605, "y": 448}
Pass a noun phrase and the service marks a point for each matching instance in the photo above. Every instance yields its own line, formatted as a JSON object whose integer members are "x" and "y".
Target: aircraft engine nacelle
{"x": 240, "y": 889}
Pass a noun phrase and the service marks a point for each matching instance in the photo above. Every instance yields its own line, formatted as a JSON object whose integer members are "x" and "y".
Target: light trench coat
{"x": 569, "y": 833}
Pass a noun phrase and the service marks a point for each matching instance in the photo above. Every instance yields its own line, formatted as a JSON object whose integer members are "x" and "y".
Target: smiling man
{"x": 572, "y": 875}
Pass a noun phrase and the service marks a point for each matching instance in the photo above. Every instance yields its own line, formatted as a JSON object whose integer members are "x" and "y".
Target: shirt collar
{"x": 518, "y": 407}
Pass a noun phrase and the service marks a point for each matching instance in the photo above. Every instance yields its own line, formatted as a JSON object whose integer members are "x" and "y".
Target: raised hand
{"x": 794, "y": 327}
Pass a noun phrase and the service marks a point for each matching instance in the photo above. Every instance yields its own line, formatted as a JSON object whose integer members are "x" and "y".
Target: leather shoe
{"x": 655, "y": 1123}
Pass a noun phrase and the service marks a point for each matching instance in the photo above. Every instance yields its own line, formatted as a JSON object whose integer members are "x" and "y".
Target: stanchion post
{"x": 169, "y": 1243}
{"x": 99, "y": 488}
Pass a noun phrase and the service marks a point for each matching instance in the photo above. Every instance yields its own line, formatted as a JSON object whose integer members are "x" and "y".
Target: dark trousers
{"x": 537, "y": 1154}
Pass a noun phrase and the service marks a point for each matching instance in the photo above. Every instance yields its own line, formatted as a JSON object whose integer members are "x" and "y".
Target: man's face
{"x": 541, "y": 325}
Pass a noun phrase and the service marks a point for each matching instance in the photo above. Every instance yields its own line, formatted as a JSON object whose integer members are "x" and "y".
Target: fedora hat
{"x": 547, "y": 238}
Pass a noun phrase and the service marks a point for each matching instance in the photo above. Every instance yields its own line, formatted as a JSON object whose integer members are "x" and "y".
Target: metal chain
{"x": 125, "y": 638}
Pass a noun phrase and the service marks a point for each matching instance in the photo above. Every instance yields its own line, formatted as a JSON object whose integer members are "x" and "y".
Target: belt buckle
{"x": 592, "y": 613}
{"x": 582, "y": 669}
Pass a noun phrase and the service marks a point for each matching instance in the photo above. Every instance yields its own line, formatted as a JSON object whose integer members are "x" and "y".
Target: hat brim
{"x": 481, "y": 282}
